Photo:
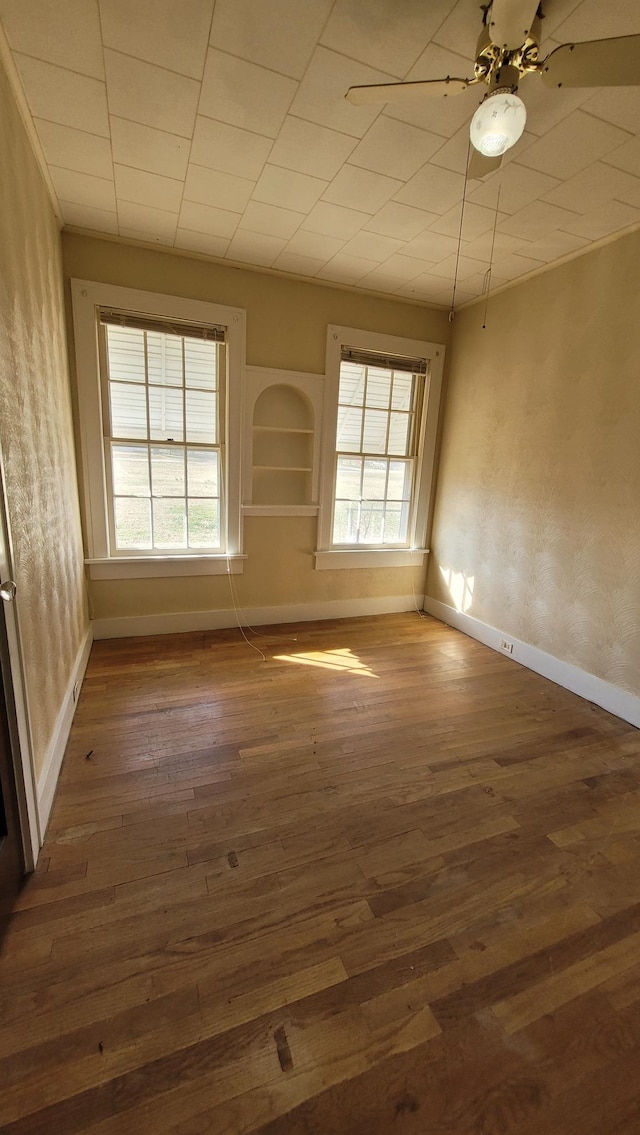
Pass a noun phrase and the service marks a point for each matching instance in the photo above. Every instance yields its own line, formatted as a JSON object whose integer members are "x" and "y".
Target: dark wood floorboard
{"x": 384, "y": 880}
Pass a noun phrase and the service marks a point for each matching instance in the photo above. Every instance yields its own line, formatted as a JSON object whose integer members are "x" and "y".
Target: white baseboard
{"x": 619, "y": 702}
{"x": 48, "y": 778}
{"x": 250, "y": 616}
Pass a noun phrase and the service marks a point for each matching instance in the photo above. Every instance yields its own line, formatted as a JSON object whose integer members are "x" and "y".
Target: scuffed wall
{"x": 537, "y": 519}
{"x": 36, "y": 431}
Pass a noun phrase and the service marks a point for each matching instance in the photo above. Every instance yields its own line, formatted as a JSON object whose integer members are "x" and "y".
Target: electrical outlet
{"x": 506, "y": 645}
{"x": 76, "y": 690}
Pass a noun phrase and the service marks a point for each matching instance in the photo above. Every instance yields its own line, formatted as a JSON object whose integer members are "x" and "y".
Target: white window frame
{"x": 330, "y": 555}
{"x": 88, "y": 297}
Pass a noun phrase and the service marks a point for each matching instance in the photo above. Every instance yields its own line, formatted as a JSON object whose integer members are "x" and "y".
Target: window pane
{"x": 378, "y": 388}
{"x": 130, "y": 465}
{"x": 164, "y": 358}
{"x": 395, "y": 524}
{"x": 201, "y": 416}
{"x": 204, "y": 523}
{"x": 402, "y": 395}
{"x": 200, "y": 363}
{"x": 399, "y": 436}
{"x": 348, "y": 477}
{"x": 132, "y": 522}
{"x": 202, "y": 473}
{"x": 125, "y": 348}
{"x": 345, "y": 522}
{"x": 371, "y": 521}
{"x": 351, "y": 384}
{"x": 169, "y": 524}
{"x": 128, "y": 410}
{"x": 167, "y": 472}
{"x": 165, "y": 413}
{"x": 375, "y": 431}
{"x": 349, "y": 429}
{"x": 374, "y": 480}
{"x": 399, "y": 485}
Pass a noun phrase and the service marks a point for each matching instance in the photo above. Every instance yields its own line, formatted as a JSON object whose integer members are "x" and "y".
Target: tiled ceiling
{"x": 220, "y": 127}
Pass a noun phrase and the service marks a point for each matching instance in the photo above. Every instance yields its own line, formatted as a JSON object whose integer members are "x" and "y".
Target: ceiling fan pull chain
{"x": 464, "y": 201}
{"x": 490, "y": 268}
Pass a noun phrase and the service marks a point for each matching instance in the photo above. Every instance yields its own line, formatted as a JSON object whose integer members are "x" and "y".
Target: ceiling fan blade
{"x": 480, "y": 166}
{"x": 594, "y": 63}
{"x": 401, "y": 92}
{"x": 510, "y": 21}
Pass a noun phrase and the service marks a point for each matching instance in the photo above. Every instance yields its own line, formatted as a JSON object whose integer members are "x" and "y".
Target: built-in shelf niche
{"x": 282, "y": 411}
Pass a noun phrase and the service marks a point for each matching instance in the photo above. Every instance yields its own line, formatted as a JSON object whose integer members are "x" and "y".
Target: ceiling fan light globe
{"x": 498, "y": 123}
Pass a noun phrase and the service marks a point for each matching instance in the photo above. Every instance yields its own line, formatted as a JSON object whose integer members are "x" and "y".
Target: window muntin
{"x": 376, "y": 449}
{"x": 163, "y": 443}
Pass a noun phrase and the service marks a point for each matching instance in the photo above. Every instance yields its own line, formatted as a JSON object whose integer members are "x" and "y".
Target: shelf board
{"x": 281, "y": 430}
{"x": 284, "y": 468}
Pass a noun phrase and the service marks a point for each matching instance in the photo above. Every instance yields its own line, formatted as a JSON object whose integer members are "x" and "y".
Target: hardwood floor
{"x": 384, "y": 880}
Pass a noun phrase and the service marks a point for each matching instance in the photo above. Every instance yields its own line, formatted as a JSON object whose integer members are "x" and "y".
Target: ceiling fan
{"x": 508, "y": 48}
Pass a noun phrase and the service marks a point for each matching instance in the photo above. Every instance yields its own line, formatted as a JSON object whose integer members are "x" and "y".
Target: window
{"x": 379, "y": 402}
{"x": 159, "y": 391}
{"x": 379, "y": 448}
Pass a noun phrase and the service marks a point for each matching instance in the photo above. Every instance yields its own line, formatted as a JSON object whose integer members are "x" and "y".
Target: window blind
{"x": 387, "y": 362}
{"x": 115, "y": 318}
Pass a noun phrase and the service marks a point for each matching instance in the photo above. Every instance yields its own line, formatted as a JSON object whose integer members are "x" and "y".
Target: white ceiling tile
{"x": 298, "y": 265}
{"x": 166, "y": 238}
{"x": 594, "y": 186}
{"x": 460, "y": 30}
{"x": 291, "y": 190}
{"x": 334, "y": 220}
{"x": 63, "y": 96}
{"x": 428, "y": 288}
{"x": 558, "y": 12}
{"x": 255, "y": 248}
{"x": 430, "y": 246}
{"x": 454, "y": 154}
{"x": 83, "y": 189}
{"x": 510, "y": 265}
{"x": 159, "y": 32}
{"x": 346, "y": 269}
{"x": 396, "y": 270}
{"x": 321, "y": 94}
{"x": 395, "y": 148}
{"x": 372, "y": 246}
{"x": 401, "y": 221}
{"x": 205, "y": 219}
{"x": 476, "y": 221}
{"x": 537, "y": 220}
{"x": 546, "y": 106}
{"x": 626, "y": 157}
{"x": 619, "y": 105}
{"x": 489, "y": 245}
{"x": 389, "y": 36}
{"x": 317, "y": 246}
{"x": 435, "y": 189}
{"x": 466, "y": 266}
{"x": 572, "y": 145}
{"x": 358, "y": 188}
{"x": 143, "y": 219}
{"x": 609, "y": 218}
{"x": 201, "y": 242}
{"x": 443, "y": 114}
{"x": 146, "y": 148}
{"x": 518, "y": 187}
{"x": 554, "y": 245}
{"x": 65, "y": 34}
{"x": 75, "y": 149}
{"x": 244, "y": 94}
{"x": 270, "y": 220}
{"x": 148, "y": 188}
{"x": 594, "y": 20}
{"x": 309, "y": 148}
{"x": 281, "y": 38}
{"x": 148, "y": 94}
{"x": 86, "y": 217}
{"x": 222, "y": 190}
{"x": 229, "y": 149}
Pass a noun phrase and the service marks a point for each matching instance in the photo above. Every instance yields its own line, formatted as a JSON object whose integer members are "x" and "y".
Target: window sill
{"x": 370, "y": 558}
{"x": 151, "y": 567}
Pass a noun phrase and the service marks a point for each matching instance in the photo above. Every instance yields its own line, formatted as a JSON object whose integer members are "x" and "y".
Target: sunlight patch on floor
{"x": 343, "y": 661}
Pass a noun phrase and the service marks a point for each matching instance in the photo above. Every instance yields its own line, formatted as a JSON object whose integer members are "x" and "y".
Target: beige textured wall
{"x": 36, "y": 433}
{"x": 286, "y": 327}
{"x": 538, "y": 500}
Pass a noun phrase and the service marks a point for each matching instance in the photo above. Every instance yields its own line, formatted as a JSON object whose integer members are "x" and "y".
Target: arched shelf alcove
{"x": 283, "y": 429}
